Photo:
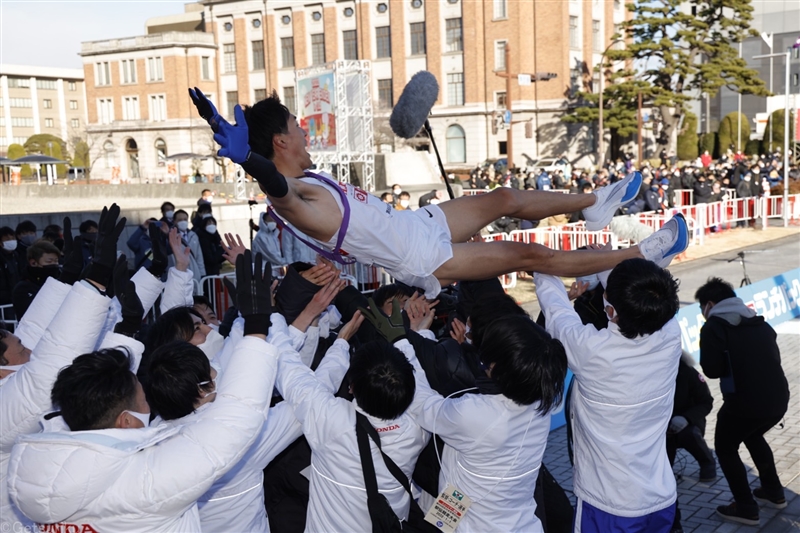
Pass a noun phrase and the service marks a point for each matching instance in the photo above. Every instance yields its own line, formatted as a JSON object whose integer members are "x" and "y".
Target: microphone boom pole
{"x": 428, "y": 130}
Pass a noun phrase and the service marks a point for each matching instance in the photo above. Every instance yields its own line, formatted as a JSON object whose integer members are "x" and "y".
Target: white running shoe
{"x": 666, "y": 243}
{"x": 609, "y": 199}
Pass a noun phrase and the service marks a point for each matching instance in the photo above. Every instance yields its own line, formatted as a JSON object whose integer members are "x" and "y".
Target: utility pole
{"x": 508, "y": 75}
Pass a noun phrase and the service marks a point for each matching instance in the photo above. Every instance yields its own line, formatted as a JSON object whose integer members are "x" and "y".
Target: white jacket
{"x": 266, "y": 242}
{"x": 337, "y": 498}
{"x": 621, "y": 406}
{"x": 145, "y": 480}
{"x": 25, "y": 394}
{"x": 493, "y": 451}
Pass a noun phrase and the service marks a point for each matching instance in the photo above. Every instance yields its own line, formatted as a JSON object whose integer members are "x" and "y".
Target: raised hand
{"x": 349, "y": 329}
{"x": 458, "y": 330}
{"x": 159, "y": 263}
{"x": 206, "y": 109}
{"x": 233, "y": 248}
{"x": 320, "y": 302}
{"x": 105, "y": 249}
{"x": 234, "y": 140}
{"x": 73, "y": 255}
{"x": 320, "y": 274}
{"x": 420, "y": 312}
{"x": 125, "y": 291}
{"x": 180, "y": 252}
{"x": 390, "y": 328}
{"x": 253, "y": 289}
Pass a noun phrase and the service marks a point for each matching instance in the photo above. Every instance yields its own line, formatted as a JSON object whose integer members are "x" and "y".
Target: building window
{"x": 617, "y": 4}
{"x": 348, "y": 12}
{"x": 795, "y": 79}
{"x": 22, "y": 122}
{"x": 286, "y": 19}
{"x": 350, "y": 43}
{"x": 110, "y": 158}
{"x": 21, "y": 83}
{"x": 161, "y": 152}
{"x": 499, "y": 55}
{"x": 416, "y": 4}
{"x": 382, "y": 7}
{"x": 75, "y": 122}
{"x": 316, "y": 16}
{"x": 228, "y": 26}
{"x": 258, "y": 55}
{"x": 417, "y": 38}
{"x": 105, "y": 110}
{"x": 232, "y": 98}
{"x": 102, "y": 74}
{"x": 127, "y": 69}
{"x": 500, "y": 9}
{"x": 289, "y": 100}
{"x": 73, "y": 86}
{"x": 205, "y": 67}
{"x": 158, "y": 108}
{"x": 229, "y": 58}
{"x": 48, "y": 123}
{"x": 575, "y": 78}
{"x": 596, "y": 41}
{"x": 500, "y": 100}
{"x": 574, "y": 38}
{"x": 73, "y": 105}
{"x": 456, "y": 144}
{"x": 256, "y": 23}
{"x": 383, "y": 42}
{"x": 318, "y": 49}
{"x": 287, "y": 52}
{"x": 453, "y": 35}
{"x": 20, "y": 102}
{"x": 455, "y": 89}
{"x": 385, "y": 97}
{"x": 259, "y": 94}
{"x": 46, "y": 84}
{"x": 47, "y": 103}
{"x": 155, "y": 69}
{"x": 130, "y": 108}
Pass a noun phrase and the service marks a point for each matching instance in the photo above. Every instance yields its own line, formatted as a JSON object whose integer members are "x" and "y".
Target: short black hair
{"x": 54, "y": 228}
{"x": 3, "y": 334}
{"x": 490, "y": 307}
{"x": 199, "y": 299}
{"x": 386, "y": 196}
{"x": 714, "y": 290}
{"x": 176, "y": 324}
{"x": 404, "y": 194}
{"x": 26, "y": 226}
{"x": 204, "y": 191}
{"x": 86, "y": 224}
{"x": 529, "y": 365}
{"x": 644, "y": 296}
{"x": 384, "y": 293}
{"x": 208, "y": 220}
{"x": 95, "y": 389}
{"x": 382, "y": 380}
{"x": 265, "y": 119}
{"x": 181, "y": 211}
{"x": 175, "y": 371}
{"x": 165, "y": 204}
{"x": 204, "y": 207}
{"x": 36, "y": 250}
{"x": 6, "y": 231}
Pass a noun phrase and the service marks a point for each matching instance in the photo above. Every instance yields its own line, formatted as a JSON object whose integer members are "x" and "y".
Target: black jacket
{"x": 749, "y": 354}
{"x": 9, "y": 275}
{"x": 693, "y": 399}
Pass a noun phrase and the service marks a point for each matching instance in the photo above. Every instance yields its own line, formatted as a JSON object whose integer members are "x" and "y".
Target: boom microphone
{"x": 414, "y": 105}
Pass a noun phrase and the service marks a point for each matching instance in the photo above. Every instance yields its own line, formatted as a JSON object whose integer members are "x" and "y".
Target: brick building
{"x": 239, "y": 50}
{"x": 40, "y": 100}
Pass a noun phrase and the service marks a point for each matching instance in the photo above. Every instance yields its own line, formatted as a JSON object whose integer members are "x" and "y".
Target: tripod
{"x": 746, "y": 278}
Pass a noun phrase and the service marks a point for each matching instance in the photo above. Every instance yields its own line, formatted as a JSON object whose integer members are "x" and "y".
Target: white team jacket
{"x": 25, "y": 394}
{"x": 621, "y": 406}
{"x": 493, "y": 451}
{"x": 145, "y": 480}
{"x": 337, "y": 498}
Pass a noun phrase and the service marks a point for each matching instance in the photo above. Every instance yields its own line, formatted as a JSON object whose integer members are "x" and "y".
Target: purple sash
{"x": 336, "y": 255}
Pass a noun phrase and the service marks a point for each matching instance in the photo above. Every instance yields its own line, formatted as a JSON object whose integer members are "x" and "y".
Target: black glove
{"x": 390, "y": 328}
{"x": 105, "y": 248}
{"x": 125, "y": 291}
{"x": 158, "y": 245}
{"x": 253, "y": 293}
{"x": 206, "y": 109}
{"x": 73, "y": 255}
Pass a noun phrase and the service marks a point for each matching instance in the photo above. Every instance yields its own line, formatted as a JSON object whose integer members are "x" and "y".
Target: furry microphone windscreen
{"x": 414, "y": 105}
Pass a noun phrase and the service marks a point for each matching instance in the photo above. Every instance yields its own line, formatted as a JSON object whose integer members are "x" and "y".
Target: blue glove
{"x": 235, "y": 140}
{"x": 206, "y": 109}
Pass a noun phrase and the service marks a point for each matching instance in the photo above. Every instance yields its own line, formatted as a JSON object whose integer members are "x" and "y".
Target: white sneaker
{"x": 609, "y": 199}
{"x": 666, "y": 243}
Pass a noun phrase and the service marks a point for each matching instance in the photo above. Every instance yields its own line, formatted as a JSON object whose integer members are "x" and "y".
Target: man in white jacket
{"x": 622, "y": 398}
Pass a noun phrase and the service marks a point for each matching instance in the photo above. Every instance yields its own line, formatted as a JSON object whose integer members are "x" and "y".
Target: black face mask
{"x": 89, "y": 237}
{"x": 41, "y": 273}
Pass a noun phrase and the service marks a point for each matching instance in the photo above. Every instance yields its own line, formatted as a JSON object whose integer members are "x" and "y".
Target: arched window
{"x": 133, "y": 158}
{"x": 161, "y": 152}
{"x": 108, "y": 153}
{"x": 456, "y": 144}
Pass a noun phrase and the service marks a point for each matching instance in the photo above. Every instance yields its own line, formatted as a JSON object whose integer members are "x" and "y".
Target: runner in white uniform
{"x": 270, "y": 145}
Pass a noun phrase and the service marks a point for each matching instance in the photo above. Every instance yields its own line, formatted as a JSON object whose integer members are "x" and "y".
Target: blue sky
{"x": 49, "y": 33}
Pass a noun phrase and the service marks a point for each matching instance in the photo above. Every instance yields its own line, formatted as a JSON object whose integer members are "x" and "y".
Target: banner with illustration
{"x": 316, "y": 104}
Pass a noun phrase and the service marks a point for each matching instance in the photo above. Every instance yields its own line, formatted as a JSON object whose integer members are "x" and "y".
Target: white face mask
{"x": 205, "y": 215}
{"x": 435, "y": 201}
{"x": 272, "y": 225}
{"x": 593, "y": 280}
{"x": 606, "y": 305}
{"x": 144, "y": 418}
{"x": 183, "y": 225}
{"x": 169, "y": 214}
{"x": 10, "y": 245}
{"x": 11, "y": 368}
{"x": 213, "y": 344}
{"x": 215, "y": 327}
{"x": 209, "y": 199}
{"x": 211, "y": 228}
{"x": 404, "y": 203}
{"x": 396, "y": 191}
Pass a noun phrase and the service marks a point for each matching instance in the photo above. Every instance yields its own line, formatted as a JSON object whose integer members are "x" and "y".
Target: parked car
{"x": 550, "y": 164}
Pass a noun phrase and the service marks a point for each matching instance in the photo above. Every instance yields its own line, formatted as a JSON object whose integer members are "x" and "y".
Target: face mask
{"x": 396, "y": 191}
{"x": 89, "y": 237}
{"x": 27, "y": 240}
{"x": 271, "y": 226}
{"x": 211, "y": 228}
{"x": 467, "y": 336}
{"x": 665, "y": 187}
{"x": 593, "y": 280}
{"x": 144, "y": 418}
{"x": 11, "y": 368}
{"x": 10, "y": 246}
{"x": 747, "y": 178}
{"x": 209, "y": 199}
{"x": 606, "y": 305}
{"x": 215, "y": 327}
{"x": 435, "y": 201}
{"x": 213, "y": 344}
{"x": 204, "y": 395}
{"x": 169, "y": 214}
{"x": 183, "y": 225}
{"x": 44, "y": 272}
{"x": 205, "y": 215}
{"x": 404, "y": 203}
{"x": 654, "y": 187}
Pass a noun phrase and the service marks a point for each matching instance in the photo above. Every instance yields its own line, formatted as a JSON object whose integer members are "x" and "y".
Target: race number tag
{"x": 449, "y": 509}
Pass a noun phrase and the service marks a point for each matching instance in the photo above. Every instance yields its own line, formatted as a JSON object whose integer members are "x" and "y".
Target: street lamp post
{"x": 601, "y": 145}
